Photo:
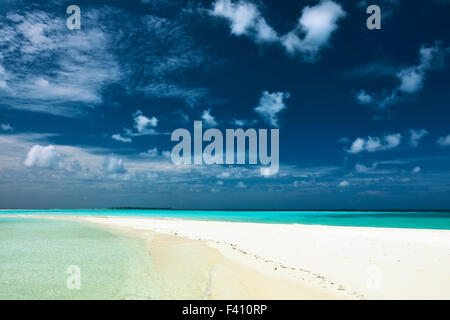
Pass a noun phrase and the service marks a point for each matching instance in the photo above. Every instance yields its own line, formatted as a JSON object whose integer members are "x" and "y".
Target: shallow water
{"x": 35, "y": 255}
{"x": 387, "y": 219}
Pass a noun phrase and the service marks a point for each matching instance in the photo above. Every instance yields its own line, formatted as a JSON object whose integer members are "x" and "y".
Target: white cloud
{"x": 209, "y": 119}
{"x": 47, "y": 69}
{"x": 357, "y": 146}
{"x": 143, "y": 123}
{"x": 86, "y": 168}
{"x": 42, "y": 157}
{"x": 242, "y": 122}
{"x": 317, "y": 23}
{"x": 375, "y": 144}
{"x": 182, "y": 115}
{"x": 191, "y": 96}
{"x": 245, "y": 19}
{"x": 444, "y": 141}
{"x": 238, "y": 122}
{"x": 312, "y": 33}
{"x": 364, "y": 169}
{"x": 166, "y": 154}
{"x": 416, "y": 169}
{"x": 3, "y": 78}
{"x": 416, "y": 136}
{"x": 364, "y": 98}
{"x": 118, "y": 137}
{"x": 344, "y": 184}
{"x": 6, "y": 127}
{"x": 68, "y": 69}
{"x": 270, "y": 104}
{"x": 113, "y": 165}
{"x": 241, "y": 185}
{"x": 151, "y": 153}
{"x": 411, "y": 79}
{"x": 223, "y": 175}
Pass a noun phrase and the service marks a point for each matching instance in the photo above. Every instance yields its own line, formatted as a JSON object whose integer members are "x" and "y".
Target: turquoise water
{"x": 418, "y": 220}
{"x": 35, "y": 255}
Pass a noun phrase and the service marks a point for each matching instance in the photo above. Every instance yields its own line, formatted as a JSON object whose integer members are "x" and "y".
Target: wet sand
{"x": 197, "y": 269}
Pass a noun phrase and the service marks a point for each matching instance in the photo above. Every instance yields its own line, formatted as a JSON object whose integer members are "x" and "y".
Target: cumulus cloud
{"x": 42, "y": 157}
{"x": 223, "y": 175}
{"x": 364, "y": 98}
{"x": 208, "y": 118}
{"x": 6, "y": 127}
{"x": 316, "y": 23}
{"x": 239, "y": 122}
{"x": 245, "y": 19}
{"x": 416, "y": 169}
{"x": 375, "y": 144}
{"x": 411, "y": 79}
{"x": 444, "y": 141}
{"x": 143, "y": 124}
{"x": 166, "y": 154}
{"x": 270, "y": 104}
{"x": 81, "y": 167}
{"x": 344, "y": 184}
{"x": 311, "y": 34}
{"x": 118, "y": 137}
{"x": 151, "y": 153}
{"x": 241, "y": 185}
{"x": 113, "y": 165}
{"x": 416, "y": 136}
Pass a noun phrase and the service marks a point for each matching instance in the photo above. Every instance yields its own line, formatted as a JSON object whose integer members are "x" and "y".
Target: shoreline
{"x": 390, "y": 220}
{"x": 213, "y": 270}
{"x": 222, "y": 271}
{"x": 246, "y": 210}
{"x": 336, "y": 261}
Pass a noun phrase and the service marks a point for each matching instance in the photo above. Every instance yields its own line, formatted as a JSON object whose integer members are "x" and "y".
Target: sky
{"x": 86, "y": 115}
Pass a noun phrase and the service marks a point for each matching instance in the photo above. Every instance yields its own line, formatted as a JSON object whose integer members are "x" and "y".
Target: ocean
{"x": 387, "y": 219}
{"x": 40, "y": 257}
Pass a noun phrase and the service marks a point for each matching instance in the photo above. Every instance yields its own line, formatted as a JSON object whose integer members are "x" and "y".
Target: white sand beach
{"x": 344, "y": 262}
{"x": 230, "y": 260}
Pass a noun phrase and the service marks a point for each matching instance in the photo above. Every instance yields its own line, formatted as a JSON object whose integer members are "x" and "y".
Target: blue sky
{"x": 86, "y": 115}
